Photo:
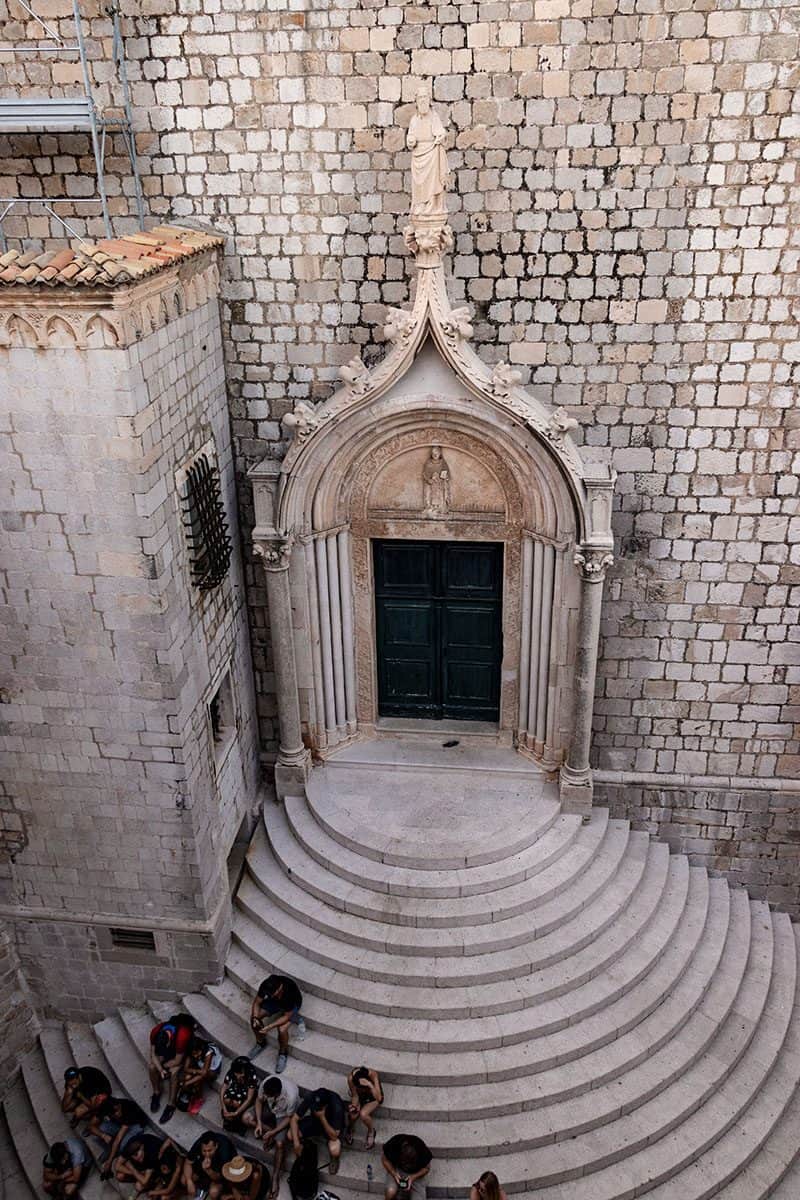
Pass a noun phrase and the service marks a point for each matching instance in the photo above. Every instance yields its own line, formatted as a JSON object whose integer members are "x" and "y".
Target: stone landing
{"x": 567, "y": 1004}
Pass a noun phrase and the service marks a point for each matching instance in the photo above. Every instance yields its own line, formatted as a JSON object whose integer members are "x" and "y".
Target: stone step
{"x": 475, "y": 993}
{"x": 543, "y": 1035}
{"x": 406, "y": 881}
{"x": 750, "y": 1101}
{"x": 566, "y": 1099}
{"x": 386, "y": 816}
{"x": 267, "y": 885}
{"x": 14, "y": 1183}
{"x": 576, "y": 851}
{"x": 423, "y": 1086}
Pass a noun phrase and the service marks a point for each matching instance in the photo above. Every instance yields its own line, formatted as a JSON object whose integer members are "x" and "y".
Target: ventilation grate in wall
{"x": 205, "y": 523}
{"x": 133, "y": 939}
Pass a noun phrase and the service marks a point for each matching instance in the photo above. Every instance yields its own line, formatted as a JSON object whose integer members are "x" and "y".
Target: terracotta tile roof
{"x": 105, "y": 264}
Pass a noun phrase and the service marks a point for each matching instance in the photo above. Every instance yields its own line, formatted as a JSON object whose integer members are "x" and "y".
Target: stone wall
{"x": 18, "y": 1024}
{"x": 623, "y": 179}
{"x": 120, "y": 806}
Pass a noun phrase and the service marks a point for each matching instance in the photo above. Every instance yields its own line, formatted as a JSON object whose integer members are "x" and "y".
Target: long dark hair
{"x": 489, "y": 1185}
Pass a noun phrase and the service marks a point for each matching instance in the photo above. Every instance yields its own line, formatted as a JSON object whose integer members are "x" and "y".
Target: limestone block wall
{"x": 624, "y": 177}
{"x": 18, "y": 1023}
{"x": 118, "y": 814}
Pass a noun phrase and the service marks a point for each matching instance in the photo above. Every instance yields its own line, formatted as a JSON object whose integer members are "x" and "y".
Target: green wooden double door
{"x": 439, "y": 628}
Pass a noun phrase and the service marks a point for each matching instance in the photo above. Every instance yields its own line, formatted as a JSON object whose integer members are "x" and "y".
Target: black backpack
{"x": 304, "y": 1175}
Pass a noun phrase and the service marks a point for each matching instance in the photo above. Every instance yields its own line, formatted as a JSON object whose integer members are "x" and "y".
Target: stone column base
{"x": 575, "y": 790}
{"x": 290, "y": 777}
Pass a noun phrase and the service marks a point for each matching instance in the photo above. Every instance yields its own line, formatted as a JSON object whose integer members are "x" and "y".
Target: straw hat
{"x": 237, "y": 1170}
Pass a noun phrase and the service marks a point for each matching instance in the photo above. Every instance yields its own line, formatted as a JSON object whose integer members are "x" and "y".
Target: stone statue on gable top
{"x": 429, "y": 173}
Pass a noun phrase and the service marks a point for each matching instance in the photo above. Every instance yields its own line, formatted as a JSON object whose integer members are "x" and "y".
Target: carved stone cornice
{"x": 105, "y": 318}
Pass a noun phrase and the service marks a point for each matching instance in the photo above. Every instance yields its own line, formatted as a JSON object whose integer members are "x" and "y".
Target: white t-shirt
{"x": 283, "y": 1105}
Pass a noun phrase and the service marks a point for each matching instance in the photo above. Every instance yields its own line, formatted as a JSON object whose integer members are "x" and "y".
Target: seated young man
{"x": 86, "y": 1090}
{"x": 321, "y": 1114}
{"x": 203, "y": 1064}
{"x": 238, "y": 1096}
{"x": 276, "y": 1006}
{"x": 114, "y": 1124}
{"x": 136, "y": 1164}
{"x": 275, "y": 1103}
{"x": 64, "y": 1167}
{"x": 406, "y": 1159}
{"x": 170, "y": 1043}
{"x": 245, "y": 1179}
{"x": 202, "y": 1171}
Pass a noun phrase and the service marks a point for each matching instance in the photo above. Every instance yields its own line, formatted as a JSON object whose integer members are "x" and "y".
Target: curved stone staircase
{"x": 569, "y": 1004}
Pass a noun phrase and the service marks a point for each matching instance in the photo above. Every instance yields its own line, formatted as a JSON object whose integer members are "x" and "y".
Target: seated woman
{"x": 114, "y": 1124}
{"x": 487, "y": 1188}
{"x": 320, "y": 1114}
{"x": 64, "y": 1167}
{"x": 166, "y": 1182}
{"x": 86, "y": 1090}
{"x": 202, "y": 1066}
{"x": 245, "y": 1179}
{"x": 366, "y": 1094}
{"x": 136, "y": 1164}
{"x": 238, "y": 1096}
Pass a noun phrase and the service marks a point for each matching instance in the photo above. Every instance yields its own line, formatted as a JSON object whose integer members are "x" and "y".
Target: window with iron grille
{"x": 205, "y": 523}
{"x": 133, "y": 939}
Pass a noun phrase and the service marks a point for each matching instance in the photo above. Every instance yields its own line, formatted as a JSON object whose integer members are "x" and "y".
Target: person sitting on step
{"x": 276, "y": 1101}
{"x": 86, "y": 1090}
{"x": 202, "y": 1171}
{"x": 320, "y": 1114}
{"x": 366, "y": 1094}
{"x": 277, "y": 1006}
{"x": 406, "y": 1159}
{"x": 115, "y": 1123}
{"x": 245, "y": 1179}
{"x": 136, "y": 1164}
{"x": 203, "y": 1064}
{"x": 487, "y": 1188}
{"x": 238, "y": 1096}
{"x": 170, "y": 1043}
{"x": 166, "y": 1182}
{"x": 64, "y": 1167}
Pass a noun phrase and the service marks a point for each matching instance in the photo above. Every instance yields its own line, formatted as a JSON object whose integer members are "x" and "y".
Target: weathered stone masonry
{"x": 625, "y": 176}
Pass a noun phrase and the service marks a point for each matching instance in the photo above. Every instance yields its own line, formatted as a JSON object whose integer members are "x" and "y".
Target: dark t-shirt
{"x": 92, "y": 1082}
{"x": 322, "y": 1098}
{"x": 407, "y": 1152}
{"x": 129, "y": 1112}
{"x": 224, "y": 1152}
{"x": 289, "y": 999}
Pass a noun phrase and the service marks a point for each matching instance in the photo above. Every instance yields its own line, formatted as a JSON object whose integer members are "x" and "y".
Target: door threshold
{"x": 446, "y": 727}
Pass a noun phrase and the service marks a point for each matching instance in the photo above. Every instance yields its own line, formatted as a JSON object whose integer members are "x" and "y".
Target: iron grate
{"x": 206, "y": 525}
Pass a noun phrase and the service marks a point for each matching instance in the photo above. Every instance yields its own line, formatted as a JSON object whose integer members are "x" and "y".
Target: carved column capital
{"x": 275, "y": 552}
{"x": 593, "y": 562}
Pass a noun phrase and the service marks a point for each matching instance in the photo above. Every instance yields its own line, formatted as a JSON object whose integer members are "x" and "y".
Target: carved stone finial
{"x": 400, "y": 325}
{"x": 593, "y": 562}
{"x": 504, "y": 379}
{"x": 355, "y": 376}
{"x": 301, "y": 423}
{"x": 428, "y": 242}
{"x": 559, "y": 425}
{"x": 457, "y": 327}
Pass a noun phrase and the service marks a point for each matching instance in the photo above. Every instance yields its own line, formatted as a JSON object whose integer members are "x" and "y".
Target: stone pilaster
{"x": 575, "y": 780}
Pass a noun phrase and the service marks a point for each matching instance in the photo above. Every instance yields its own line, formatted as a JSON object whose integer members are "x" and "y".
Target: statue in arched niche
{"x": 436, "y": 484}
{"x": 429, "y": 174}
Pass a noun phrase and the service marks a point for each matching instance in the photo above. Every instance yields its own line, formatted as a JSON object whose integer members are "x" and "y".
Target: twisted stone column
{"x": 575, "y": 778}
{"x": 293, "y": 762}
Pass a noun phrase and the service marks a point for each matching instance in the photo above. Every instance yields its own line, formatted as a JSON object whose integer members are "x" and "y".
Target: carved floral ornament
{"x": 275, "y": 552}
{"x": 593, "y": 562}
